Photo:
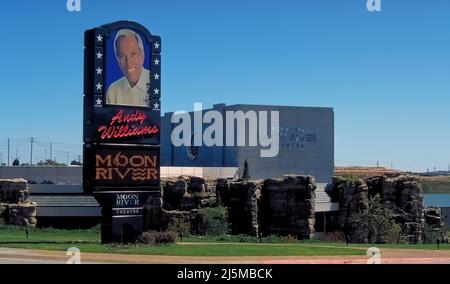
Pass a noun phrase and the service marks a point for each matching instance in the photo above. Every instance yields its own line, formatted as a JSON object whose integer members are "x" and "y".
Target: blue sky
{"x": 386, "y": 74}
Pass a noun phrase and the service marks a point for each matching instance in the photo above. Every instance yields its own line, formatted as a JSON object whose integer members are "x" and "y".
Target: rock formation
{"x": 17, "y": 209}
{"x": 288, "y": 206}
{"x": 401, "y": 194}
{"x": 283, "y": 206}
{"x": 353, "y": 197}
{"x": 243, "y": 207}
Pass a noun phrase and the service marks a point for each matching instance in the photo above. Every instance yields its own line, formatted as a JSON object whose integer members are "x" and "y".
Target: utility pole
{"x": 79, "y": 159}
{"x": 51, "y": 152}
{"x": 31, "y": 153}
{"x": 1, "y": 160}
{"x": 378, "y": 164}
{"x": 67, "y": 154}
{"x": 45, "y": 155}
{"x": 8, "y": 152}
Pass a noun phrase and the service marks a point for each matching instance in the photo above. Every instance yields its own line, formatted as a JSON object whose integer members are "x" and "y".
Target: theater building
{"x": 305, "y": 144}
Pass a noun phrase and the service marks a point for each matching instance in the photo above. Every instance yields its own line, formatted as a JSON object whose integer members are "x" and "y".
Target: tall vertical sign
{"x": 122, "y": 91}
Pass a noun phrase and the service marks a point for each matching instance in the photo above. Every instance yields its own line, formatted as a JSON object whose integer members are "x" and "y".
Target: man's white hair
{"x": 126, "y": 33}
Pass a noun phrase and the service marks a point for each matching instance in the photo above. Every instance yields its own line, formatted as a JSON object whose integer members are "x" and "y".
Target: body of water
{"x": 440, "y": 200}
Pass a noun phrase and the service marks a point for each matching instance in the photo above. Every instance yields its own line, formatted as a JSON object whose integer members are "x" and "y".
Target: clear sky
{"x": 386, "y": 74}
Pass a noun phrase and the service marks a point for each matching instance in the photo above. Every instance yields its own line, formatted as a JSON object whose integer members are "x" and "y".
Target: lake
{"x": 440, "y": 200}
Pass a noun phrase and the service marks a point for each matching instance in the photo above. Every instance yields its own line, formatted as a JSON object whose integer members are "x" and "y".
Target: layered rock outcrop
{"x": 283, "y": 206}
{"x": 401, "y": 194}
{"x": 243, "y": 207}
{"x": 186, "y": 193}
{"x": 288, "y": 206}
{"x": 17, "y": 210}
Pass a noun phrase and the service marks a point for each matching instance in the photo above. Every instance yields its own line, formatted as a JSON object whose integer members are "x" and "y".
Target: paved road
{"x": 388, "y": 256}
{"x": 5, "y": 260}
{"x": 18, "y": 256}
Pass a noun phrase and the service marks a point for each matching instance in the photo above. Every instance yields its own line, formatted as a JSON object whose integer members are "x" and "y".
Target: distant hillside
{"x": 430, "y": 184}
{"x": 436, "y": 184}
{"x": 364, "y": 171}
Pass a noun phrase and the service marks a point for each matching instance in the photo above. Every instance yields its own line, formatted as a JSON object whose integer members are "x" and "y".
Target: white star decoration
{"x": 156, "y": 91}
{"x": 156, "y": 61}
{"x": 156, "y": 76}
{"x": 99, "y": 38}
{"x": 156, "y": 106}
{"x": 156, "y": 45}
{"x": 99, "y": 86}
{"x": 99, "y": 55}
{"x": 99, "y": 71}
{"x": 98, "y": 102}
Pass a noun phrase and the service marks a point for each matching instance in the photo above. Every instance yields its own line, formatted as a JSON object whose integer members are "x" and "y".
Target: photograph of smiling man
{"x": 132, "y": 88}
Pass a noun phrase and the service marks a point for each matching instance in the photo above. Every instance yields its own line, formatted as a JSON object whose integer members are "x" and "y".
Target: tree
{"x": 376, "y": 223}
{"x": 214, "y": 221}
{"x": 50, "y": 163}
{"x": 246, "y": 174}
{"x": 16, "y": 162}
{"x": 75, "y": 163}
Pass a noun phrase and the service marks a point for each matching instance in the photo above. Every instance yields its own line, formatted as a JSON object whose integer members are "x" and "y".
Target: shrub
{"x": 147, "y": 237}
{"x": 394, "y": 234}
{"x": 272, "y": 239}
{"x": 445, "y": 234}
{"x": 96, "y": 228}
{"x": 350, "y": 180}
{"x": 289, "y": 238}
{"x": 336, "y": 236}
{"x": 431, "y": 233}
{"x": 213, "y": 221}
{"x": 158, "y": 238}
{"x": 2, "y": 214}
{"x": 181, "y": 227}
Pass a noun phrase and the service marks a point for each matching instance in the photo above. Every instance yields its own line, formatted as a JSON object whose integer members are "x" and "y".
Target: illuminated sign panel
{"x": 122, "y": 91}
{"x": 121, "y": 167}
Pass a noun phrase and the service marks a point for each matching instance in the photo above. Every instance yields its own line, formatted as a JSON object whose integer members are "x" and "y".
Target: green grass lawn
{"x": 200, "y": 250}
{"x": 312, "y": 243}
{"x": 89, "y": 241}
